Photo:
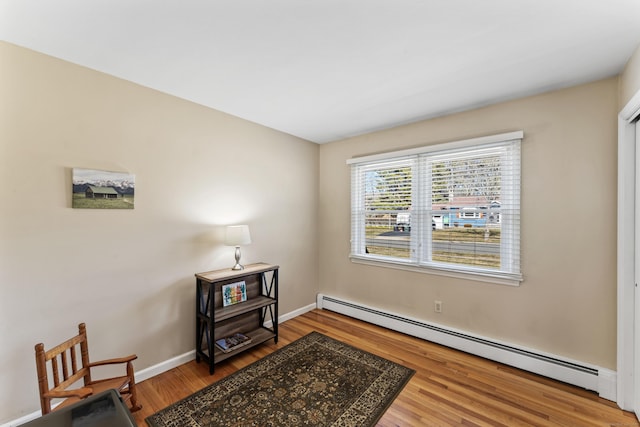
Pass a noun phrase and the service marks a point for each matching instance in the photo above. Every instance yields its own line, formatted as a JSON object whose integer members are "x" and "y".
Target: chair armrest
{"x": 78, "y": 392}
{"x": 114, "y": 361}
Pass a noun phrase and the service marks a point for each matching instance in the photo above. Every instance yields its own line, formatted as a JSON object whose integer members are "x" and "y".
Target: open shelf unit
{"x": 257, "y": 317}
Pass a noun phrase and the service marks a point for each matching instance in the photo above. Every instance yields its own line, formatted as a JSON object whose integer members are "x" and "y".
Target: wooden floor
{"x": 450, "y": 388}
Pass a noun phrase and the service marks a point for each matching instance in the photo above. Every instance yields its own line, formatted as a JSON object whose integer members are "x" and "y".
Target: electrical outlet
{"x": 437, "y": 306}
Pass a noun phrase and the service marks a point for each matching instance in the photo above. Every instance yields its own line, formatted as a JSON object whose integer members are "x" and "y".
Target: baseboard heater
{"x": 590, "y": 377}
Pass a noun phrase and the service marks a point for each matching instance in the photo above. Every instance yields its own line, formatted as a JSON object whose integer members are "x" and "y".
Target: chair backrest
{"x": 60, "y": 367}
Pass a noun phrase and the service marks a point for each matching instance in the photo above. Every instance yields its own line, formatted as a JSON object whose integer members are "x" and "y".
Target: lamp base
{"x": 238, "y": 266}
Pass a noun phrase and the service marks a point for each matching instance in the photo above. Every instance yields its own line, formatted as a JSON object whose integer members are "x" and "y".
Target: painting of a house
{"x": 96, "y": 189}
{"x": 93, "y": 192}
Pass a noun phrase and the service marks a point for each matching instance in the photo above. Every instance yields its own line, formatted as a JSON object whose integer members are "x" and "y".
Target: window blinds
{"x": 453, "y": 206}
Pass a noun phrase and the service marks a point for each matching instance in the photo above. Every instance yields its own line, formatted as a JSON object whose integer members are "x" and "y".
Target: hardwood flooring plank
{"x": 450, "y": 388}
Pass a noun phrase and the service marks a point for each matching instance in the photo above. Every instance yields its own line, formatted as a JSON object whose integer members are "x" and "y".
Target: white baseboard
{"x": 291, "y": 315}
{"x": 174, "y": 362}
{"x": 22, "y": 420}
{"x": 607, "y": 384}
{"x": 161, "y": 367}
{"x": 590, "y": 377}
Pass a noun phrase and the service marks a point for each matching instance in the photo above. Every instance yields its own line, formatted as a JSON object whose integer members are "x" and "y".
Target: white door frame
{"x": 628, "y": 392}
{"x": 636, "y": 307}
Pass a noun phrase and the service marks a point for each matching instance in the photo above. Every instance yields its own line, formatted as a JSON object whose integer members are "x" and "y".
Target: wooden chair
{"x": 61, "y": 362}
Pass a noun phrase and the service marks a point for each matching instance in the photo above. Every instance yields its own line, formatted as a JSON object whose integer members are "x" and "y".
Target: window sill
{"x": 475, "y": 275}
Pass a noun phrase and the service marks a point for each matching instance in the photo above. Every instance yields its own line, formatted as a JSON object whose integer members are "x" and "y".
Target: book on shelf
{"x": 234, "y": 293}
{"x": 232, "y": 342}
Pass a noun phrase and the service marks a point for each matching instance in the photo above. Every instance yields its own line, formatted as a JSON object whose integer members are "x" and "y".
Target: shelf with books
{"x": 251, "y": 309}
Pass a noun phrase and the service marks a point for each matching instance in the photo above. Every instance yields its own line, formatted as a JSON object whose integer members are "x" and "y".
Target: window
{"x": 451, "y": 208}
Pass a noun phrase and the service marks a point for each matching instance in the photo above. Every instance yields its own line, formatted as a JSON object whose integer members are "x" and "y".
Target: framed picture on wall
{"x": 96, "y": 189}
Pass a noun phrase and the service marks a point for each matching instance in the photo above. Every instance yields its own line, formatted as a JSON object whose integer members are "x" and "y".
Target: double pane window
{"x": 450, "y": 208}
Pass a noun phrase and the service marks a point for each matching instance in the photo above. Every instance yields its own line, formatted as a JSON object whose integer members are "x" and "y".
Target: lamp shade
{"x": 237, "y": 235}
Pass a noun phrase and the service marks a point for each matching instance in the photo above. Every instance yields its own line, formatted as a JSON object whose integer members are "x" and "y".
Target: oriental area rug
{"x": 316, "y": 381}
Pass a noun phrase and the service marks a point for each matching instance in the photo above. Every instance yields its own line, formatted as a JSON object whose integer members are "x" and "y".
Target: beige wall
{"x": 129, "y": 273}
{"x": 630, "y": 79}
{"x": 567, "y": 302}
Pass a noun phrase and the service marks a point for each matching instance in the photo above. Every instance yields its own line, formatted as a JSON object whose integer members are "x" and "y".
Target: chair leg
{"x": 135, "y": 406}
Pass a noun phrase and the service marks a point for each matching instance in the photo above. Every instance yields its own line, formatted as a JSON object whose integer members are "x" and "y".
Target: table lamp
{"x": 237, "y": 235}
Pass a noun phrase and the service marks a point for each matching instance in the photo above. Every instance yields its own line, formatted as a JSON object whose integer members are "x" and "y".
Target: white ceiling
{"x": 325, "y": 70}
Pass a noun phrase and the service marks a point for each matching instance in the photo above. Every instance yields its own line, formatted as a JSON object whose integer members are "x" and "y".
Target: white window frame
{"x": 510, "y": 271}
